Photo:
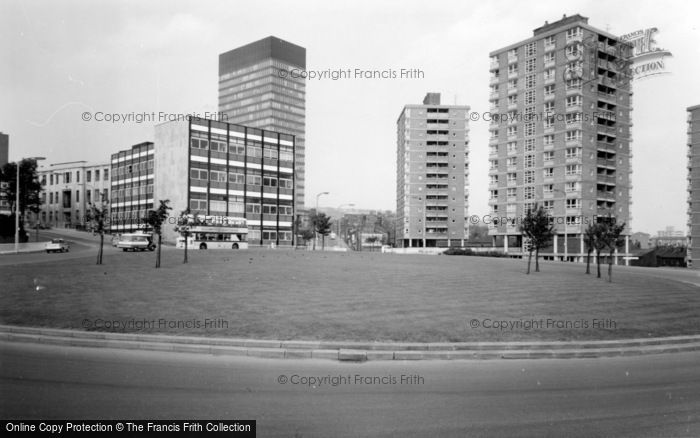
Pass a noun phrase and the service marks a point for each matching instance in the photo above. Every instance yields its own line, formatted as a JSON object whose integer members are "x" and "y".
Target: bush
{"x": 470, "y": 252}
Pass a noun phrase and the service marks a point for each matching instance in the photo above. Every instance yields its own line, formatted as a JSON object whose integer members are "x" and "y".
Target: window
{"x": 530, "y": 66}
{"x": 529, "y": 193}
{"x": 531, "y": 49}
{"x": 513, "y": 84}
{"x": 199, "y": 174}
{"x": 512, "y": 192}
{"x": 572, "y": 101}
{"x": 198, "y": 204}
{"x": 573, "y": 169}
{"x": 548, "y": 172}
{"x": 512, "y": 178}
{"x": 530, "y": 129}
{"x": 529, "y": 161}
{"x": 88, "y": 176}
{"x": 512, "y": 147}
{"x": 236, "y": 178}
{"x": 574, "y": 32}
{"x": 199, "y": 143}
{"x": 549, "y": 90}
{"x": 512, "y": 131}
{"x": 549, "y": 107}
{"x": 529, "y": 144}
{"x": 573, "y": 118}
{"x": 548, "y": 156}
{"x": 217, "y": 176}
{"x": 548, "y": 189}
{"x": 269, "y": 209}
{"x": 493, "y": 164}
{"x": 270, "y": 181}
{"x": 573, "y": 203}
{"x": 254, "y": 151}
{"x": 573, "y": 51}
{"x": 548, "y": 140}
{"x": 286, "y": 183}
{"x": 548, "y": 206}
{"x": 77, "y": 195}
{"x": 573, "y": 220}
{"x": 493, "y": 179}
{"x": 530, "y": 81}
{"x": 530, "y": 97}
{"x": 253, "y": 208}
{"x": 573, "y": 186}
{"x": 254, "y": 180}
{"x": 573, "y": 135}
{"x": 513, "y": 69}
{"x": 549, "y": 41}
{"x": 529, "y": 177}
{"x": 493, "y": 194}
{"x": 572, "y": 84}
{"x": 513, "y": 53}
{"x": 105, "y": 175}
{"x": 512, "y": 161}
{"x": 549, "y": 122}
{"x": 513, "y": 100}
{"x": 270, "y": 154}
{"x": 549, "y": 58}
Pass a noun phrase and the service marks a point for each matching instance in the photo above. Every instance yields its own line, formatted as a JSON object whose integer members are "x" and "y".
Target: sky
{"x": 61, "y": 59}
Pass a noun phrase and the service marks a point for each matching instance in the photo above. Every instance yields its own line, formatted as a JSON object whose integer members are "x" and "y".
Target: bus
{"x": 215, "y": 232}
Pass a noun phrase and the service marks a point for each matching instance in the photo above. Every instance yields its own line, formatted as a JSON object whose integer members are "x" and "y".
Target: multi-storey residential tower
{"x": 432, "y": 174}
{"x": 4, "y": 156}
{"x": 70, "y": 189}
{"x": 562, "y": 140}
{"x": 694, "y": 186}
{"x": 261, "y": 86}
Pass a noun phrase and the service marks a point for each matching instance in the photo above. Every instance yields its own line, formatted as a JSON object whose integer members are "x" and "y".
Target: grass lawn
{"x": 282, "y": 294}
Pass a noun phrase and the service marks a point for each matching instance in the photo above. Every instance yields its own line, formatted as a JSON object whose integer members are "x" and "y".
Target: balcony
{"x": 609, "y": 97}
{"x": 548, "y": 146}
{"x": 512, "y": 183}
{"x": 494, "y": 80}
{"x": 573, "y": 160}
{"x": 512, "y": 90}
{"x": 549, "y": 46}
{"x": 573, "y": 176}
{"x": 573, "y": 38}
{"x": 606, "y": 195}
{"x": 610, "y": 131}
{"x": 605, "y": 179}
{"x": 570, "y": 91}
{"x": 549, "y": 63}
{"x": 606, "y": 162}
{"x": 549, "y": 79}
{"x": 494, "y": 95}
{"x": 512, "y": 59}
{"x": 512, "y": 106}
{"x": 548, "y": 96}
{"x": 575, "y": 141}
{"x": 494, "y": 64}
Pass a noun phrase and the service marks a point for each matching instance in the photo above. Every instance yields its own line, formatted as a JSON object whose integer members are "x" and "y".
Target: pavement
{"x": 643, "y": 396}
{"x": 352, "y": 351}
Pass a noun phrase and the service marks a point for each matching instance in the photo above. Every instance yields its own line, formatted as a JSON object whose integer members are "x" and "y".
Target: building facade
{"x": 432, "y": 195}
{"x": 70, "y": 189}
{"x": 4, "y": 157}
{"x": 132, "y": 187}
{"x": 260, "y": 86}
{"x": 694, "y": 186}
{"x": 560, "y": 135}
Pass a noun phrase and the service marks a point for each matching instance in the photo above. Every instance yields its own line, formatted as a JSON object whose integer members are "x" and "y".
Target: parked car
{"x": 136, "y": 242}
{"x": 57, "y": 245}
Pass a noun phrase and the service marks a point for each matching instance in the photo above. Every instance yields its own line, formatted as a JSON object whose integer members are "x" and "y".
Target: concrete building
{"x": 694, "y": 185}
{"x": 4, "y": 157}
{"x": 260, "y": 86}
{"x": 69, "y": 190}
{"x": 132, "y": 187}
{"x": 432, "y": 165}
{"x": 214, "y": 168}
{"x": 560, "y": 134}
{"x": 4, "y": 149}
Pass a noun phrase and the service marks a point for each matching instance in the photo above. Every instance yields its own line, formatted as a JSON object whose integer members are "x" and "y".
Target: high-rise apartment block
{"x": 560, "y": 133}
{"x": 694, "y": 186}
{"x": 432, "y": 165}
{"x": 261, "y": 86}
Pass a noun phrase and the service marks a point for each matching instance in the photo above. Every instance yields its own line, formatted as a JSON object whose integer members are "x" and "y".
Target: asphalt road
{"x": 636, "y": 396}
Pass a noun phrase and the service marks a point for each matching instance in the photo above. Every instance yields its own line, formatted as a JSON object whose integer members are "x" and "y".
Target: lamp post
{"x": 17, "y": 201}
{"x": 566, "y": 246}
{"x": 316, "y": 212}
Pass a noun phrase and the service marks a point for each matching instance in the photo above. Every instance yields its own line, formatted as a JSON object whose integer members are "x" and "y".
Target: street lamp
{"x": 566, "y": 242}
{"x": 17, "y": 200}
{"x": 315, "y": 233}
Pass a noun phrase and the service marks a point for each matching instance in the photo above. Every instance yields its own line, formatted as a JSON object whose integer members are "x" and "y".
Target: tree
{"x": 372, "y": 240}
{"x": 322, "y": 225}
{"x": 600, "y": 231}
{"x": 589, "y": 237}
{"x": 613, "y": 239}
{"x": 97, "y": 217}
{"x": 155, "y": 219}
{"x": 184, "y": 224}
{"x": 30, "y": 190}
{"x": 29, "y": 184}
{"x": 537, "y": 229}
{"x": 307, "y": 234}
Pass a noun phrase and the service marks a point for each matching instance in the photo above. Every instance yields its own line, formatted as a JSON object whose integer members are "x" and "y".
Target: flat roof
{"x": 271, "y": 47}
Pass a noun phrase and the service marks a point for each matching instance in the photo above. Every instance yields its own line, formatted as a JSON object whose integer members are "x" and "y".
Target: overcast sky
{"x": 62, "y": 58}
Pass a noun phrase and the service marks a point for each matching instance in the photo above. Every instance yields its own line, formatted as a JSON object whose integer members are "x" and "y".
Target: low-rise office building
{"x": 69, "y": 191}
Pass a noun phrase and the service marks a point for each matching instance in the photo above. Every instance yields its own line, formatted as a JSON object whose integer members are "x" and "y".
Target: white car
{"x": 136, "y": 242}
{"x": 57, "y": 245}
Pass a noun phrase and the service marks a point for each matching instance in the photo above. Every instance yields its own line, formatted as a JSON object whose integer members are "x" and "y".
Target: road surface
{"x": 635, "y": 396}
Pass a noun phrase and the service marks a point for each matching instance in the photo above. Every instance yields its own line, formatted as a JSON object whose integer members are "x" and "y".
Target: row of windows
{"x": 128, "y": 169}
{"x": 55, "y": 178}
{"x": 239, "y": 149}
{"x": 141, "y": 190}
{"x": 239, "y": 178}
{"x": 237, "y": 206}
